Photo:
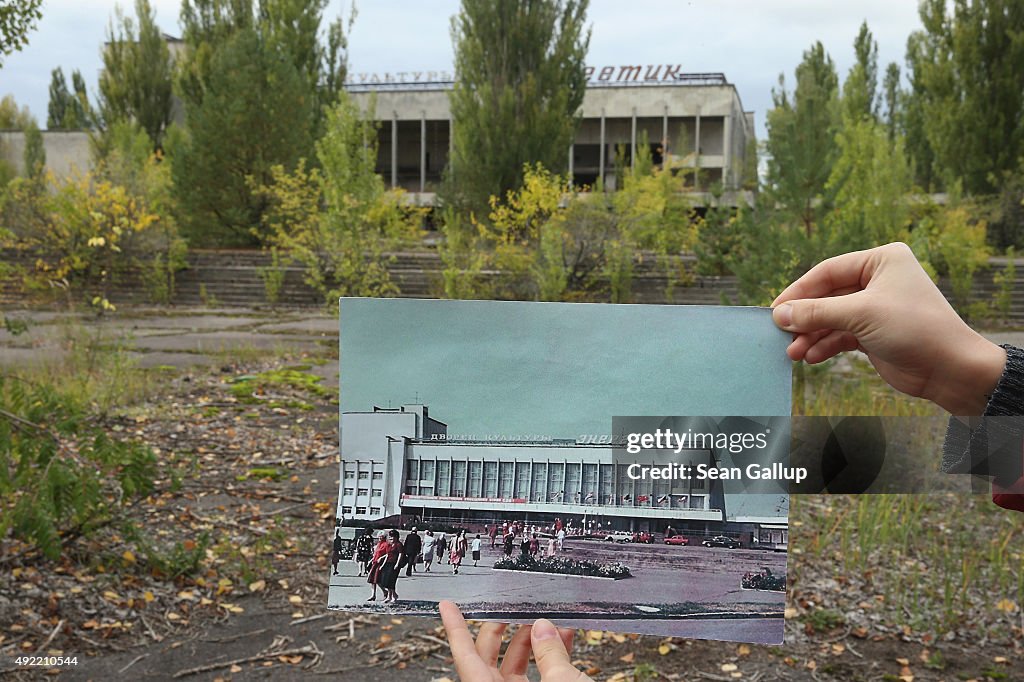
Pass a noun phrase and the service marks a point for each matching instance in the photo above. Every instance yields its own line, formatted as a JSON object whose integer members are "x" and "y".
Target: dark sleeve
{"x": 992, "y": 445}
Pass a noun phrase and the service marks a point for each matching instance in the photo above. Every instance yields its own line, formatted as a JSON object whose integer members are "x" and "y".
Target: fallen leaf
{"x": 743, "y": 650}
{"x": 257, "y": 585}
{"x": 628, "y": 658}
{"x": 728, "y": 667}
{"x": 1006, "y": 606}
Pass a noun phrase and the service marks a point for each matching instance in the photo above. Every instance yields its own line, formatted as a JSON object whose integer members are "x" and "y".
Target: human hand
{"x": 478, "y": 661}
{"x": 882, "y": 302}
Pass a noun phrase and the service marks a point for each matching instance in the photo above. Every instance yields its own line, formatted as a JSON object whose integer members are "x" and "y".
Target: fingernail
{"x": 783, "y": 315}
{"x": 544, "y": 629}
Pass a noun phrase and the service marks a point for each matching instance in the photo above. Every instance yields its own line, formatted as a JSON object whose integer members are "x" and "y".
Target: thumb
{"x": 812, "y": 314}
{"x": 550, "y": 653}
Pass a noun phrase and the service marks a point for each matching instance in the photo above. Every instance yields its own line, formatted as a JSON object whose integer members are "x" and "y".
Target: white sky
{"x": 750, "y": 41}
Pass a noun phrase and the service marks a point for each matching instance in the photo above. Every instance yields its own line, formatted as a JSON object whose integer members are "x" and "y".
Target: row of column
{"x": 632, "y": 161}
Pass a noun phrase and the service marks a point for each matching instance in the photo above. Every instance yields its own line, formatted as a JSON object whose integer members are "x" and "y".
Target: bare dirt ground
{"x": 247, "y": 492}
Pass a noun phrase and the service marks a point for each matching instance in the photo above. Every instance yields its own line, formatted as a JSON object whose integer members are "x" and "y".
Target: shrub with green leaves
{"x": 61, "y": 475}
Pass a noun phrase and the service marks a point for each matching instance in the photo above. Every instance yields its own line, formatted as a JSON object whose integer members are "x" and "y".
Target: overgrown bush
{"x": 549, "y": 241}
{"x": 88, "y": 229}
{"x": 61, "y": 475}
{"x": 338, "y": 220}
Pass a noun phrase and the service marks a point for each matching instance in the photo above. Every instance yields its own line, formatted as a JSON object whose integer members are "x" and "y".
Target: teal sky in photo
{"x": 511, "y": 368}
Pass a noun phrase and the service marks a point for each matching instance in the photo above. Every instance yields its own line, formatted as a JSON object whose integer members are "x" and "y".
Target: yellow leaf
{"x": 147, "y": 596}
{"x": 743, "y": 650}
{"x": 257, "y": 585}
{"x": 128, "y": 556}
{"x": 628, "y": 658}
{"x": 664, "y": 648}
{"x": 728, "y": 667}
{"x": 1006, "y": 606}
{"x": 295, "y": 599}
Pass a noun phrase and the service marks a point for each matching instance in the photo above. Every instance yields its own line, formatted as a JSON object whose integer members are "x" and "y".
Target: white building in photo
{"x": 399, "y": 464}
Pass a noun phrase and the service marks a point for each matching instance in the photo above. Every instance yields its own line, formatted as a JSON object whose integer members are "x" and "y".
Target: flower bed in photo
{"x": 765, "y": 580}
{"x": 563, "y": 566}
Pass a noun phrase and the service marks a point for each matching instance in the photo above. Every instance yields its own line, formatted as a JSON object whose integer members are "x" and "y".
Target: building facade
{"x": 693, "y": 122}
{"x": 400, "y": 464}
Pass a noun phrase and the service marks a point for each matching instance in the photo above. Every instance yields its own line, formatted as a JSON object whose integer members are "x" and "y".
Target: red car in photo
{"x": 677, "y": 540}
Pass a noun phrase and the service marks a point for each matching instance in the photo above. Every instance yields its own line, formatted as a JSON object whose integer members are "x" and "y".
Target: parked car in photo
{"x": 677, "y": 540}
{"x": 644, "y": 538}
{"x": 721, "y": 541}
{"x": 618, "y": 536}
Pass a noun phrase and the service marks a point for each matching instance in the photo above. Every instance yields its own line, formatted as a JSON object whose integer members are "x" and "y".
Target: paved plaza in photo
{"x": 682, "y": 591}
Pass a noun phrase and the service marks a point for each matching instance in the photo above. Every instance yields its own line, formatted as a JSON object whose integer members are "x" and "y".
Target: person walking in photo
{"x": 412, "y": 546}
{"x": 534, "y": 546}
{"x": 442, "y": 547}
{"x": 524, "y": 546}
{"x": 493, "y": 533}
{"x": 459, "y": 546}
{"x": 561, "y": 539}
{"x": 336, "y": 551}
{"x": 391, "y": 563}
{"x": 476, "y": 549}
{"x": 364, "y": 552}
{"x": 551, "y": 546}
{"x": 376, "y": 563}
{"x": 508, "y": 542}
{"x": 428, "y": 550}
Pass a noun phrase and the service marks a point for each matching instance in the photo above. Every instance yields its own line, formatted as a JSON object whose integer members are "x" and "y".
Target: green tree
{"x": 289, "y": 27}
{"x": 35, "y": 154}
{"x": 293, "y": 27}
{"x": 963, "y": 117}
{"x": 67, "y": 109}
{"x": 893, "y": 102}
{"x": 136, "y": 81}
{"x": 801, "y": 140}
{"x": 859, "y": 88}
{"x": 255, "y": 114}
{"x": 17, "y": 18}
{"x": 519, "y": 83}
{"x": 11, "y": 118}
{"x": 871, "y": 184}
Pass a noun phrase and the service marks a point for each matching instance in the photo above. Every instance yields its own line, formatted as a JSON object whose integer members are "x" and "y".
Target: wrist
{"x": 967, "y": 388}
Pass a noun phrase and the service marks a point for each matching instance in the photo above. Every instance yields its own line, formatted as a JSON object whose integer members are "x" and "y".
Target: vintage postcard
{"x": 611, "y": 467}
